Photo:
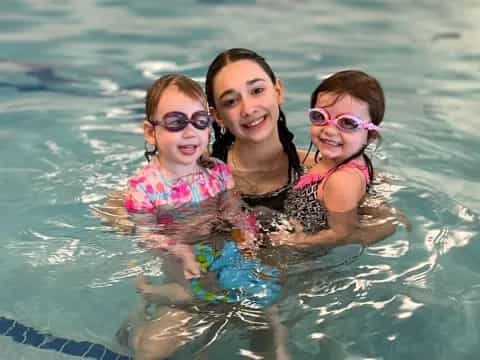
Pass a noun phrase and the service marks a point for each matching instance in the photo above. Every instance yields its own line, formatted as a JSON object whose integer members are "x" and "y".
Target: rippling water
{"x": 72, "y": 76}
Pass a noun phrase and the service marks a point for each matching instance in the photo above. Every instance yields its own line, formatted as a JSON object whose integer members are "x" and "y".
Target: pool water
{"x": 72, "y": 80}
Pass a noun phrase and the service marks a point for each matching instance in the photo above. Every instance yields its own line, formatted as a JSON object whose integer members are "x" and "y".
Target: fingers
{"x": 279, "y": 238}
{"x": 192, "y": 271}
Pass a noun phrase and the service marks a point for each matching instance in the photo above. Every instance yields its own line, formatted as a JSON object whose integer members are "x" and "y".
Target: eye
{"x": 258, "y": 90}
{"x": 348, "y": 123}
{"x": 174, "y": 120}
{"x": 202, "y": 119}
{"x": 317, "y": 116}
{"x": 227, "y": 103}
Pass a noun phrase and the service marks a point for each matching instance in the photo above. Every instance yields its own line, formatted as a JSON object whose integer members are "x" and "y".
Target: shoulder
{"x": 142, "y": 175}
{"x": 217, "y": 165}
{"x": 147, "y": 180}
{"x": 221, "y": 172}
{"x": 344, "y": 189}
{"x": 217, "y": 175}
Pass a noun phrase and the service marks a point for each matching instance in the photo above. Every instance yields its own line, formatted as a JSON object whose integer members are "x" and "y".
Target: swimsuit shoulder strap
{"x": 351, "y": 165}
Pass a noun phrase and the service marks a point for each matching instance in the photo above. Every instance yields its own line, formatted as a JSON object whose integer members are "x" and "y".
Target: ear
{"x": 149, "y": 132}
{"x": 218, "y": 118}
{"x": 280, "y": 91}
{"x": 372, "y": 136}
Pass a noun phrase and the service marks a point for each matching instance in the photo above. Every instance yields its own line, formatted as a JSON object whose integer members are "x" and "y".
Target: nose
{"x": 189, "y": 131}
{"x": 330, "y": 128}
{"x": 248, "y": 106}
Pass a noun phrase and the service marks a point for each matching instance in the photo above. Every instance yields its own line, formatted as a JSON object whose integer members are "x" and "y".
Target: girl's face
{"x": 177, "y": 150}
{"x": 334, "y": 144}
{"x": 247, "y": 102}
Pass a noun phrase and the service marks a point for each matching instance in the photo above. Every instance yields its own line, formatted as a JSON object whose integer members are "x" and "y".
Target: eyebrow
{"x": 249, "y": 83}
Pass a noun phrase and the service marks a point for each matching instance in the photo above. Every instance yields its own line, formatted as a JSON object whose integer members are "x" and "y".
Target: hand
{"x": 191, "y": 267}
{"x": 291, "y": 235}
{"x": 245, "y": 241}
{"x": 282, "y": 238}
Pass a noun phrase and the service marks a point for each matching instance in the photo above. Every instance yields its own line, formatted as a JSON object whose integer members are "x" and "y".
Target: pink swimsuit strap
{"x": 313, "y": 178}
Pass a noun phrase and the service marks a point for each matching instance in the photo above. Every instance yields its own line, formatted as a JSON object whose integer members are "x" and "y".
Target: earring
{"x": 150, "y": 150}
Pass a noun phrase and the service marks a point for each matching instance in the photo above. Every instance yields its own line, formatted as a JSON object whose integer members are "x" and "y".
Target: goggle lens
{"x": 345, "y": 122}
{"x": 177, "y": 121}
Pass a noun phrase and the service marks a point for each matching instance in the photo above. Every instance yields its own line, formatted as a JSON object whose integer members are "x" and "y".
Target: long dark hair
{"x": 224, "y": 138}
{"x": 361, "y": 86}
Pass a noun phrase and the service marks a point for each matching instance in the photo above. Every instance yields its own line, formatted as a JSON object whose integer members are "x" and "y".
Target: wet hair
{"x": 186, "y": 85}
{"x": 224, "y": 138}
{"x": 358, "y": 85}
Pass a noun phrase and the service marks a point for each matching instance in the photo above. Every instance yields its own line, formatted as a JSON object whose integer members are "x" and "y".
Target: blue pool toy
{"x": 243, "y": 280}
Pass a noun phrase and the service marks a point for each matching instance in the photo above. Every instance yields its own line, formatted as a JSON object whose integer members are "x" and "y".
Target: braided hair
{"x": 223, "y": 137}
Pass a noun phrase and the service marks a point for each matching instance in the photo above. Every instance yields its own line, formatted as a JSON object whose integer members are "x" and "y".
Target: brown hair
{"x": 357, "y": 84}
{"x": 185, "y": 84}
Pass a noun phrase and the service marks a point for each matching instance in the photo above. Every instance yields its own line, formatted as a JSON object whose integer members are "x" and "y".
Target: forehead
{"x": 236, "y": 75}
{"x": 173, "y": 99}
{"x": 336, "y": 103}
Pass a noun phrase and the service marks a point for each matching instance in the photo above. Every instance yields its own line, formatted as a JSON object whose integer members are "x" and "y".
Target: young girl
{"x": 177, "y": 127}
{"x": 346, "y": 111}
{"x": 180, "y": 175}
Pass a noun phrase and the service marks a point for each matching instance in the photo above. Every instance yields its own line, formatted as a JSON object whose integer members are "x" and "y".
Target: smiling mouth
{"x": 254, "y": 123}
{"x": 330, "y": 142}
{"x": 188, "y": 149}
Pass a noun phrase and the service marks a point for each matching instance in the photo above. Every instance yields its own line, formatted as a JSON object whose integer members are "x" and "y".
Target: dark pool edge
{"x": 29, "y": 336}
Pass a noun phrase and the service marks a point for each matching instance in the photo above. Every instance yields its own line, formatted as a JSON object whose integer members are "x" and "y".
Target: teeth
{"x": 330, "y": 142}
{"x": 255, "y": 123}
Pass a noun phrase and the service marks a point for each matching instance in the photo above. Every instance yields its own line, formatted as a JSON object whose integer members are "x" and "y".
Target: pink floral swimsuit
{"x": 149, "y": 190}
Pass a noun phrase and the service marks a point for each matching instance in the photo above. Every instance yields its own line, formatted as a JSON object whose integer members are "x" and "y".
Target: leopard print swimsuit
{"x": 302, "y": 203}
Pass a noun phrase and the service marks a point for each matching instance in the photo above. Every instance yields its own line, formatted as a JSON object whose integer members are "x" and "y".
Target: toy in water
{"x": 243, "y": 280}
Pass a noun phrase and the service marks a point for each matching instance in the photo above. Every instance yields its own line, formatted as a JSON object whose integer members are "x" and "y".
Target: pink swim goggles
{"x": 344, "y": 122}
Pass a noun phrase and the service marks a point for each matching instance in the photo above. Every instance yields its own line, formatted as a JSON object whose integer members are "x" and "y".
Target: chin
{"x": 263, "y": 135}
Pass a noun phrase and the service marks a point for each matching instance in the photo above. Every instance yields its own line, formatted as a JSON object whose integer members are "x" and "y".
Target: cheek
{"x": 315, "y": 131}
{"x": 227, "y": 115}
{"x": 275, "y": 109}
{"x": 165, "y": 137}
{"x": 357, "y": 140}
{"x": 205, "y": 135}
{"x": 365, "y": 138}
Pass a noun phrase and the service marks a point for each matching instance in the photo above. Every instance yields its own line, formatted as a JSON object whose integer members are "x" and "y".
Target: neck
{"x": 174, "y": 170}
{"x": 264, "y": 155}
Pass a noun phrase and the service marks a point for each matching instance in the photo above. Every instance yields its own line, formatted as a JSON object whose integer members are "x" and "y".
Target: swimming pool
{"x": 72, "y": 76}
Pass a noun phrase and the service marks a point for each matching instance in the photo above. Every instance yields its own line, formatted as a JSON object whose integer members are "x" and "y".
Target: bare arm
{"x": 113, "y": 212}
{"x": 340, "y": 195}
{"x": 165, "y": 294}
